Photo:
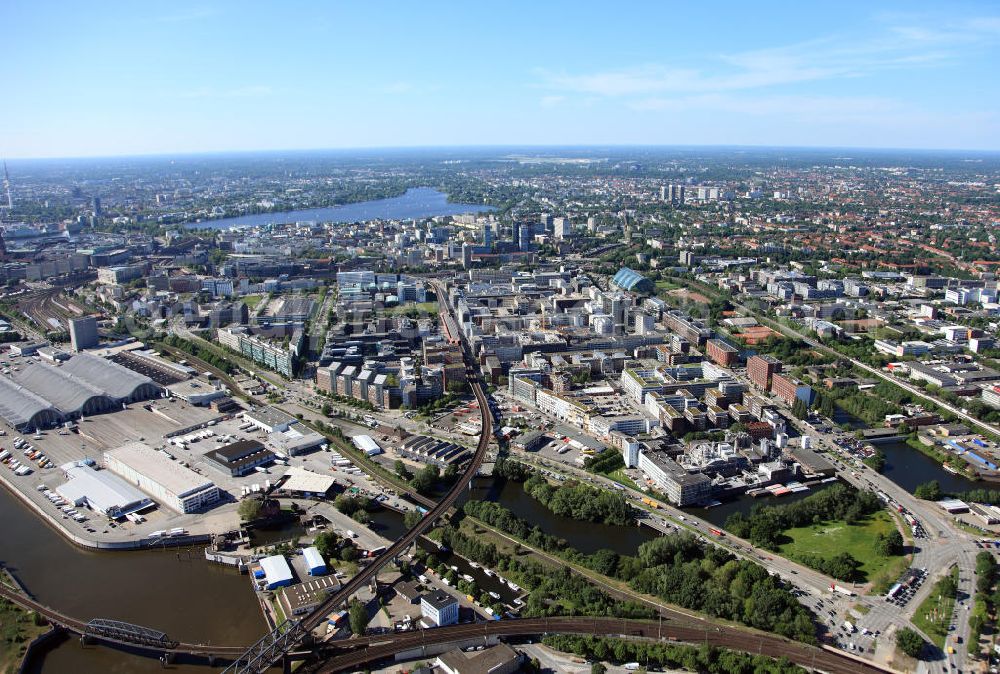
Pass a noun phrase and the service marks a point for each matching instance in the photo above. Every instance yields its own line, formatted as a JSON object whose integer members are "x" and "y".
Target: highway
{"x": 383, "y": 646}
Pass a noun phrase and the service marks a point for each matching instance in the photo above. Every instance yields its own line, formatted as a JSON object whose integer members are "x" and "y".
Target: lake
{"x": 417, "y": 202}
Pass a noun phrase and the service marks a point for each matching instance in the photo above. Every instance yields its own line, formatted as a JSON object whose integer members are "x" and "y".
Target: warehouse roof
{"x": 276, "y": 569}
{"x": 67, "y": 392}
{"x": 300, "y": 479}
{"x": 20, "y": 407}
{"x": 117, "y": 381}
{"x": 155, "y": 465}
{"x": 102, "y": 490}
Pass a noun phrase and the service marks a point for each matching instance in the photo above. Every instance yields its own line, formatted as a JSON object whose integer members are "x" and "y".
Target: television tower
{"x": 6, "y": 186}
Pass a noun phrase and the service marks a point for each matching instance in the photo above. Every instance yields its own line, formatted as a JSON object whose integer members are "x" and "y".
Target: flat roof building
{"x": 101, "y": 491}
{"x": 294, "y": 442}
{"x": 298, "y": 480}
{"x": 240, "y": 457}
{"x": 276, "y": 571}
{"x": 499, "y": 659}
{"x": 175, "y": 486}
{"x": 439, "y": 608}
{"x": 83, "y": 333}
{"x": 304, "y": 597}
{"x": 681, "y": 487}
{"x": 269, "y": 419}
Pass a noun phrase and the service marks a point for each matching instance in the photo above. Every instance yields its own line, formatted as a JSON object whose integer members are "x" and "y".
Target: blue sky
{"x": 110, "y": 78}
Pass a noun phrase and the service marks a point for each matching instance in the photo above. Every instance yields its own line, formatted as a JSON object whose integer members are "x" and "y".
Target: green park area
{"x": 840, "y": 531}
{"x": 934, "y": 614}
{"x": 828, "y": 539}
{"x": 251, "y": 301}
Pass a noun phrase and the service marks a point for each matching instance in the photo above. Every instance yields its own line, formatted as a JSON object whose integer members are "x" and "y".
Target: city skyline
{"x": 159, "y": 79}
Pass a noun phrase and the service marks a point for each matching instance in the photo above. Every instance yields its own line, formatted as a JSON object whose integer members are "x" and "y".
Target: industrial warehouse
{"x": 169, "y": 482}
{"x": 40, "y": 395}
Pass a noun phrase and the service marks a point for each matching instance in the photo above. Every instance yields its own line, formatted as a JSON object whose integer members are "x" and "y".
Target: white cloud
{"x": 900, "y": 45}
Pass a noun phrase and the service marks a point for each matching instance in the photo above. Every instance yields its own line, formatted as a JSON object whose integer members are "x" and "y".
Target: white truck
{"x": 842, "y": 590}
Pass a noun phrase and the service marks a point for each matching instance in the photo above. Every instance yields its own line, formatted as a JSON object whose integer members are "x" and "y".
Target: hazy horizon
{"x": 509, "y": 146}
{"x": 165, "y": 78}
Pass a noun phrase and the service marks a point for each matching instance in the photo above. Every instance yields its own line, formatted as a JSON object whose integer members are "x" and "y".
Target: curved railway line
{"x": 375, "y": 648}
{"x": 290, "y": 639}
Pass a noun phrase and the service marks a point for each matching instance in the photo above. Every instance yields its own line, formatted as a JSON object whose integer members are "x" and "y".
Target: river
{"x": 417, "y": 202}
{"x": 175, "y": 591}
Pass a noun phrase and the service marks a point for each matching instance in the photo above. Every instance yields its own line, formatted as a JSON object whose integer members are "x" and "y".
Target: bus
{"x": 716, "y": 532}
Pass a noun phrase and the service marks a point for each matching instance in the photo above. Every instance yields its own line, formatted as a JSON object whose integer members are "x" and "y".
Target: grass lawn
{"x": 252, "y": 301}
{"x": 429, "y": 308}
{"x": 935, "y": 613}
{"x": 828, "y": 539}
{"x": 663, "y": 286}
{"x": 620, "y": 477}
{"x": 17, "y": 629}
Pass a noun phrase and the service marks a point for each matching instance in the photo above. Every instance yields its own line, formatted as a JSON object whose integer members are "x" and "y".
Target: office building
{"x": 760, "y": 369}
{"x": 439, "y": 609}
{"x": 83, "y": 333}
{"x": 721, "y": 352}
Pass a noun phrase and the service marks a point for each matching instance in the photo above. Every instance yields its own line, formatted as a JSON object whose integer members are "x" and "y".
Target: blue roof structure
{"x": 629, "y": 279}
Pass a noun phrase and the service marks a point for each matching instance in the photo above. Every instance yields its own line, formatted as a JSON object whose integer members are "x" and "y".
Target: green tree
{"x": 910, "y": 642}
{"x": 800, "y": 409}
{"x": 426, "y": 479}
{"x": 929, "y": 491}
{"x": 401, "y": 470}
{"x": 598, "y": 668}
{"x": 358, "y": 617}
{"x": 249, "y": 509}
{"x": 326, "y": 542}
{"x": 412, "y": 518}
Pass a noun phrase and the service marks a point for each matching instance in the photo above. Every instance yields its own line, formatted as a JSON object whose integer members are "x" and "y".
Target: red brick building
{"x": 722, "y": 353}
{"x": 760, "y": 369}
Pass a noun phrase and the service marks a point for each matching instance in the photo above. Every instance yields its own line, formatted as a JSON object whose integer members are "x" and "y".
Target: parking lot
{"x": 902, "y": 592}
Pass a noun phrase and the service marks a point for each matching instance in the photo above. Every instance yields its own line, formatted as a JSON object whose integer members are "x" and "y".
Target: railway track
{"x": 379, "y": 647}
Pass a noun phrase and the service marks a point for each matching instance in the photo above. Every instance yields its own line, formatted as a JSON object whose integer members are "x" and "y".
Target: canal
{"x": 174, "y": 590}
{"x": 717, "y": 515}
{"x": 909, "y": 467}
{"x": 587, "y": 537}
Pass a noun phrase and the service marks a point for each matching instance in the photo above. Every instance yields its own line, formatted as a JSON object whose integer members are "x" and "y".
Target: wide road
{"x": 384, "y": 646}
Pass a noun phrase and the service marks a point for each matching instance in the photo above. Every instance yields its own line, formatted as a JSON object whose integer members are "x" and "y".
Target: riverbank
{"x": 19, "y": 632}
{"x": 94, "y": 543}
